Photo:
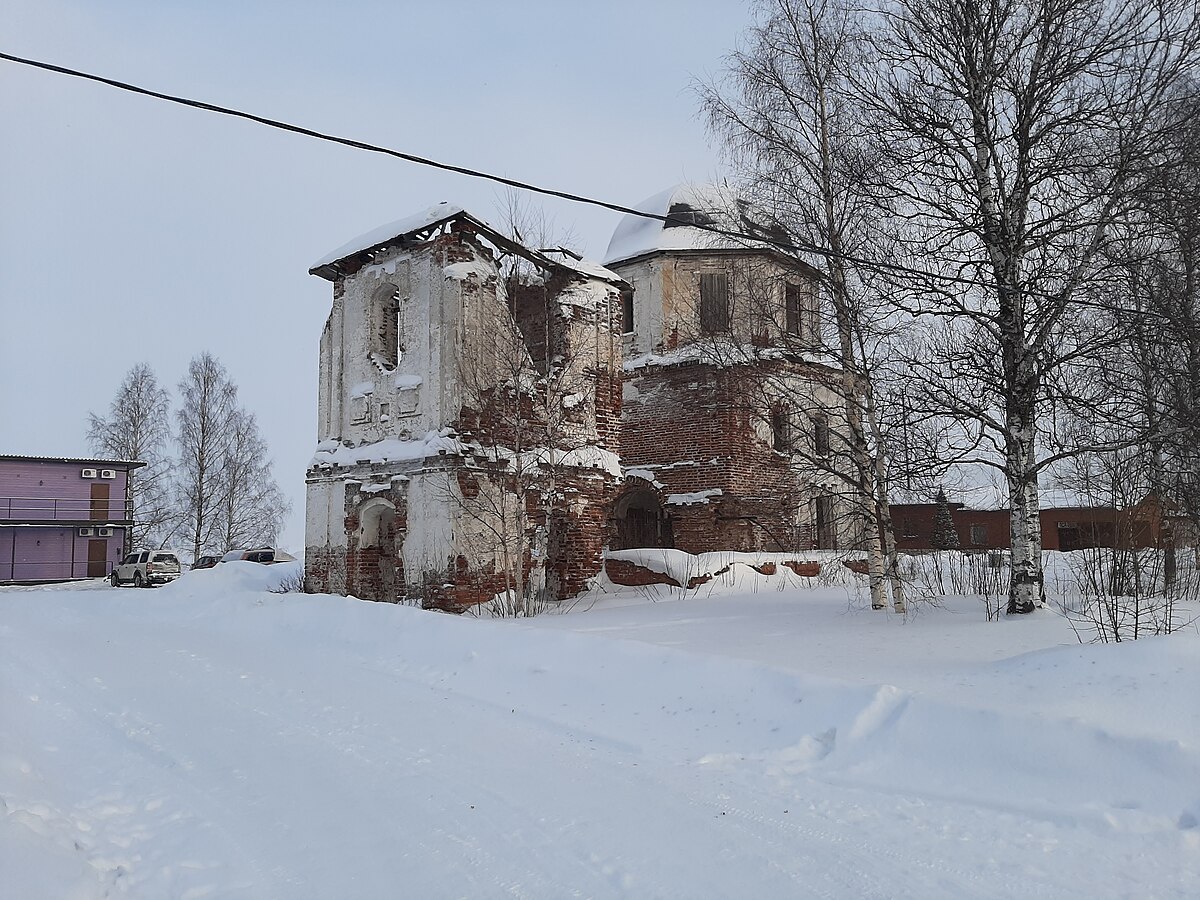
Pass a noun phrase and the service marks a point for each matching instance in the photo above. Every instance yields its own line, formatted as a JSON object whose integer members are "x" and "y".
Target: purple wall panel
{"x": 48, "y": 553}
{"x": 41, "y": 490}
{"x": 6, "y": 553}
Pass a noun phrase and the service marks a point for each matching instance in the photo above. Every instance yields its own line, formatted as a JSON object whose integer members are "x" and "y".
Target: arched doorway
{"x": 641, "y": 521}
{"x": 377, "y": 574}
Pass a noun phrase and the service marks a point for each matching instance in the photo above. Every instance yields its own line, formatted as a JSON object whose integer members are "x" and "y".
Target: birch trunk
{"x": 852, "y": 386}
{"x": 887, "y": 529}
{"x": 1026, "y": 587}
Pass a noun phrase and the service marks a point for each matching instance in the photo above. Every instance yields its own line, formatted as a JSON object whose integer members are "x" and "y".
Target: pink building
{"x": 63, "y": 518}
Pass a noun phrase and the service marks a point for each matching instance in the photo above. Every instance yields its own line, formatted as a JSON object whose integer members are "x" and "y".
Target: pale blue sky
{"x": 133, "y": 230}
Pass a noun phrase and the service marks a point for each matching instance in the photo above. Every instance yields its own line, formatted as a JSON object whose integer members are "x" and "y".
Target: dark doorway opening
{"x": 642, "y": 522}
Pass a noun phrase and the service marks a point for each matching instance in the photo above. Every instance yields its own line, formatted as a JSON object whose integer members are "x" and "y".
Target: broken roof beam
{"x": 406, "y": 232}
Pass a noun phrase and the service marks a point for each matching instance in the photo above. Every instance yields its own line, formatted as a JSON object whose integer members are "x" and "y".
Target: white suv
{"x": 146, "y": 568}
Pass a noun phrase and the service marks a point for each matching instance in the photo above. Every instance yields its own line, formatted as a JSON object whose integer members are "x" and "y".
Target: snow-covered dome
{"x": 692, "y": 205}
{"x": 698, "y": 204}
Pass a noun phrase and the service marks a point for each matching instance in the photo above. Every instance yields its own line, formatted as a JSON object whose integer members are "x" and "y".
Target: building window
{"x": 781, "y": 429}
{"x": 824, "y": 525}
{"x": 979, "y": 535}
{"x": 714, "y": 302}
{"x": 908, "y": 527}
{"x": 792, "y": 309}
{"x": 627, "y": 312}
{"x": 821, "y": 436}
{"x": 385, "y": 326}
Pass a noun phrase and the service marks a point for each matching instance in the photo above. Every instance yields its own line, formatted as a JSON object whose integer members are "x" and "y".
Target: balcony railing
{"x": 39, "y": 510}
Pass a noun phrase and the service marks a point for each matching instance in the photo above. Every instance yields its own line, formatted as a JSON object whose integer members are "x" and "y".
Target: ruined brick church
{"x": 495, "y": 417}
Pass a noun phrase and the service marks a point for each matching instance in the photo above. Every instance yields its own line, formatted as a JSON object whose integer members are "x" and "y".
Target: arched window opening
{"x": 377, "y": 525}
{"x": 385, "y": 326}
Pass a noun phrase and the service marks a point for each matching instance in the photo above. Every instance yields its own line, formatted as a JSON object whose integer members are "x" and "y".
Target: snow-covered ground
{"x": 212, "y": 739}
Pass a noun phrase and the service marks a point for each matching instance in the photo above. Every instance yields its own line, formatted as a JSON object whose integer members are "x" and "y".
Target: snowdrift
{"x": 212, "y": 736}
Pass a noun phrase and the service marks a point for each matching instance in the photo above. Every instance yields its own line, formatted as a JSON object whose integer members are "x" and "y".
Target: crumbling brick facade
{"x": 467, "y": 439}
{"x": 696, "y": 433}
{"x": 728, "y": 404}
{"x": 484, "y": 430}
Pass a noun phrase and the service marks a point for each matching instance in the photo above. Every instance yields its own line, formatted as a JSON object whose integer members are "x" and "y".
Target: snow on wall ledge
{"x": 718, "y": 352}
{"x": 693, "y": 497}
{"x": 434, "y": 443}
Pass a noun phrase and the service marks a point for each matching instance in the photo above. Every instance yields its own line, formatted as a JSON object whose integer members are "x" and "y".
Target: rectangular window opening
{"x": 627, "y": 312}
{"x": 714, "y": 302}
{"x": 781, "y": 430}
{"x": 821, "y": 437}
{"x": 792, "y": 309}
{"x": 825, "y": 526}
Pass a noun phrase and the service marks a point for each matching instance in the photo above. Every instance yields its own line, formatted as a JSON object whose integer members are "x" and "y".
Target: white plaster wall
{"x": 336, "y": 353}
{"x": 431, "y": 317}
{"x": 428, "y": 537}
{"x": 324, "y": 514}
{"x": 324, "y": 376}
{"x": 667, "y": 295}
{"x": 645, "y": 277}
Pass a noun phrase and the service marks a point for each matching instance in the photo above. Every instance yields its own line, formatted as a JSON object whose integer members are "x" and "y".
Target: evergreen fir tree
{"x": 945, "y": 535}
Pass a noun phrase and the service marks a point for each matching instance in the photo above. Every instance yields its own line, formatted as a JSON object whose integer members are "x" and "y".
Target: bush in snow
{"x": 1122, "y": 595}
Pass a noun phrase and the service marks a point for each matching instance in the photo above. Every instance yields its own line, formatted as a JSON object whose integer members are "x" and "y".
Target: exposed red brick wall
{"x": 623, "y": 572}
{"x": 805, "y": 569}
{"x": 693, "y": 427}
{"x": 630, "y": 574}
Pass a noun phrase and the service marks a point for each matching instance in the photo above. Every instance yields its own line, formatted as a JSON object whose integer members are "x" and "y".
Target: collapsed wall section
{"x": 700, "y": 435}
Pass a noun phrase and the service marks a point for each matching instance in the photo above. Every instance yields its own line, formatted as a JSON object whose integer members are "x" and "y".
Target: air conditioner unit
{"x": 88, "y": 473}
{"x": 103, "y": 532}
{"x": 108, "y": 473}
{"x": 86, "y": 532}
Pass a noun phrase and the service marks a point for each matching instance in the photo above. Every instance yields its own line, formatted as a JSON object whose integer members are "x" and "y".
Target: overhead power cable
{"x": 788, "y": 247}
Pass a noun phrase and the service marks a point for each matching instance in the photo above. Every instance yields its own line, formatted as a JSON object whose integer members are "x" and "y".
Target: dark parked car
{"x": 206, "y": 562}
{"x": 265, "y": 555}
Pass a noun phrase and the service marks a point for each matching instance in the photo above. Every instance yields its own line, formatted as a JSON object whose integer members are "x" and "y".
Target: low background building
{"x": 1149, "y": 523}
{"x": 63, "y": 518}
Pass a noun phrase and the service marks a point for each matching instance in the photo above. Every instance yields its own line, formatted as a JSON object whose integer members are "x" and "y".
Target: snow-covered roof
{"x": 690, "y": 205}
{"x": 582, "y": 266}
{"x": 377, "y": 238}
{"x": 83, "y": 460}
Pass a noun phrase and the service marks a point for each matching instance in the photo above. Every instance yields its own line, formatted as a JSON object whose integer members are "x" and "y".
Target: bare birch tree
{"x": 253, "y": 507}
{"x": 204, "y": 423}
{"x": 1164, "y": 313}
{"x": 138, "y": 427}
{"x": 528, "y": 396}
{"x": 1022, "y": 132}
{"x": 789, "y": 114}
